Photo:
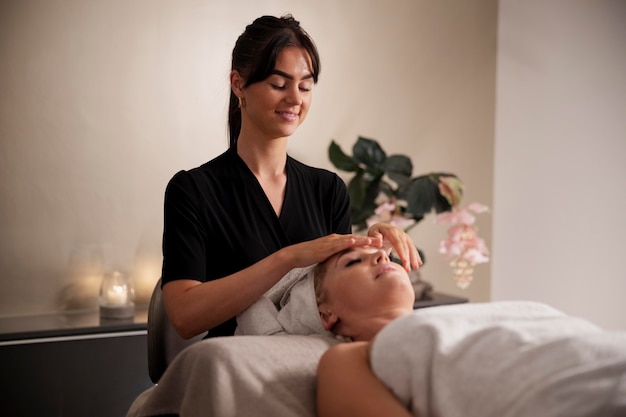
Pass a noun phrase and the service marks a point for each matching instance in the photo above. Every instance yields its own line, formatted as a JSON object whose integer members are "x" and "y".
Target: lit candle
{"x": 117, "y": 295}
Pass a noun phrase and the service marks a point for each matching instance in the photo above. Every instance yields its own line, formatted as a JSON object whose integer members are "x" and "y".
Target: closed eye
{"x": 282, "y": 87}
{"x": 352, "y": 262}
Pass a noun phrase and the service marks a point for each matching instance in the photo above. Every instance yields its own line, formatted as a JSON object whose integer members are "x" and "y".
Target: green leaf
{"x": 372, "y": 189}
{"x": 369, "y": 152}
{"x": 366, "y": 210}
{"x": 340, "y": 160}
{"x": 398, "y": 164}
{"x": 356, "y": 190}
{"x": 360, "y": 215}
{"x": 376, "y": 173}
{"x": 443, "y": 204}
{"x": 398, "y": 169}
{"x": 423, "y": 195}
{"x": 401, "y": 180}
{"x": 404, "y": 186}
{"x": 386, "y": 188}
{"x": 359, "y": 219}
{"x": 363, "y": 191}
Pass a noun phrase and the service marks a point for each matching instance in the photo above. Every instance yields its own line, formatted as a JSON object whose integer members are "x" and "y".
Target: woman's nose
{"x": 294, "y": 96}
{"x": 380, "y": 256}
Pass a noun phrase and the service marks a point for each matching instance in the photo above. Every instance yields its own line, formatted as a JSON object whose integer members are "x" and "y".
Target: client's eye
{"x": 352, "y": 262}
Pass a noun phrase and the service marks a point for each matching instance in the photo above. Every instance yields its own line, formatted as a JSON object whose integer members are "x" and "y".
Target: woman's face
{"x": 363, "y": 283}
{"x": 276, "y": 106}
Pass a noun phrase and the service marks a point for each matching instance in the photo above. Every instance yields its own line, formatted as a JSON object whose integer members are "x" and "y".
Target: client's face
{"x": 363, "y": 284}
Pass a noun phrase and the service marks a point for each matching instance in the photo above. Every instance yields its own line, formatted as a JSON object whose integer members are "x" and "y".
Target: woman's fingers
{"x": 403, "y": 253}
{"x": 416, "y": 259}
{"x": 320, "y": 249}
{"x": 412, "y": 258}
{"x": 408, "y": 254}
{"x": 336, "y": 243}
{"x": 401, "y": 242}
{"x": 379, "y": 235}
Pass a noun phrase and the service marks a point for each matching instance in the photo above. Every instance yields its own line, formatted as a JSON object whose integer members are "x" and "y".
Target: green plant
{"x": 383, "y": 188}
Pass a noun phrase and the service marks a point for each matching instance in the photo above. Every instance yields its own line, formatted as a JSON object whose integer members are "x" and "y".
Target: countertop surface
{"x": 68, "y": 323}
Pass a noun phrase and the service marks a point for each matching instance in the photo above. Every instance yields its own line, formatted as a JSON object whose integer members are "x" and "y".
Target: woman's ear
{"x": 328, "y": 316}
{"x": 236, "y": 83}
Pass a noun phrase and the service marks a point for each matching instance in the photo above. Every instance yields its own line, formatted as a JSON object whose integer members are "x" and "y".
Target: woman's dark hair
{"x": 255, "y": 54}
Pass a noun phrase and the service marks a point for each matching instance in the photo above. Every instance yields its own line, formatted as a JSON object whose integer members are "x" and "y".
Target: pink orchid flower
{"x": 461, "y": 216}
{"x": 463, "y": 246}
{"x": 386, "y": 213}
{"x": 463, "y": 240}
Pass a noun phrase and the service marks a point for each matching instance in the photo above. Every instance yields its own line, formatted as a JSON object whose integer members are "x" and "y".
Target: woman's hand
{"x": 318, "y": 250}
{"x": 195, "y": 307}
{"x": 400, "y": 241}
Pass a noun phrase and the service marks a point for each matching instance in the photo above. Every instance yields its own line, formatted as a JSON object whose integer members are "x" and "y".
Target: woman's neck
{"x": 370, "y": 326}
{"x": 265, "y": 158}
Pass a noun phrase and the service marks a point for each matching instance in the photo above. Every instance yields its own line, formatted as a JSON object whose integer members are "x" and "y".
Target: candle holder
{"x": 116, "y": 297}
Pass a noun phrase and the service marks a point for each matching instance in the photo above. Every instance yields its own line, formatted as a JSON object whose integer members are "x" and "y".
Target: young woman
{"x": 235, "y": 225}
{"x": 358, "y": 291}
{"x": 484, "y": 359}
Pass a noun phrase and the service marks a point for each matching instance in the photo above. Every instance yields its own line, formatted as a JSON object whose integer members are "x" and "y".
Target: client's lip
{"x": 384, "y": 269}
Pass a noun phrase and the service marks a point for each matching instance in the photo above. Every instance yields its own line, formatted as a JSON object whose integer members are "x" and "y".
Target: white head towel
{"x": 288, "y": 307}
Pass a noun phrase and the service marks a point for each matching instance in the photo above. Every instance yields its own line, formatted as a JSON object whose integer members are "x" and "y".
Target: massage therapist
{"x": 235, "y": 225}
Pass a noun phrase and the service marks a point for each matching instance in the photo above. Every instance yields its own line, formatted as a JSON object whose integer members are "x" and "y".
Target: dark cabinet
{"x": 61, "y": 370}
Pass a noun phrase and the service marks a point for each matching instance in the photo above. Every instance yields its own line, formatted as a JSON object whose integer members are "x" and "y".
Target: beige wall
{"x": 560, "y": 160}
{"x": 102, "y": 102}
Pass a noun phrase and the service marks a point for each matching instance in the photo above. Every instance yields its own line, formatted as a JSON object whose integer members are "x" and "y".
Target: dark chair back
{"x": 164, "y": 343}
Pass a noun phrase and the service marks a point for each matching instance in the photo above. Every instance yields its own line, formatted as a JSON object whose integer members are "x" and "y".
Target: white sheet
{"x": 502, "y": 360}
{"x": 242, "y": 376}
{"x": 252, "y": 374}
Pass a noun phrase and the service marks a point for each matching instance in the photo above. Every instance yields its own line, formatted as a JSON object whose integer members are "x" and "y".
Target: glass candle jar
{"x": 116, "y": 296}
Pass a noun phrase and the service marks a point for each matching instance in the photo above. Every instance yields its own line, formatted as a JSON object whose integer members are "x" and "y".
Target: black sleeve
{"x": 183, "y": 234}
{"x": 342, "y": 221}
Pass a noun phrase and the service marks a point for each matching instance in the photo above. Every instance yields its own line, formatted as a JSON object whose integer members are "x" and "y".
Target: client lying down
{"x": 491, "y": 359}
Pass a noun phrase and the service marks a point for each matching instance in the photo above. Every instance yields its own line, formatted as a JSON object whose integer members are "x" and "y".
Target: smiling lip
{"x": 288, "y": 115}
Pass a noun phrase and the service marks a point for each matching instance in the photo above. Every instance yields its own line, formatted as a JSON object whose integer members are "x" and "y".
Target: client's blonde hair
{"x": 319, "y": 273}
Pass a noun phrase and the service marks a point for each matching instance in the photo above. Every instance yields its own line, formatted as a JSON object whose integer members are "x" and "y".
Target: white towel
{"x": 289, "y": 307}
{"x": 512, "y": 359}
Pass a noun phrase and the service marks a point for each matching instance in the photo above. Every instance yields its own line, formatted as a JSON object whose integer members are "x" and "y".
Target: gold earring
{"x": 242, "y": 102}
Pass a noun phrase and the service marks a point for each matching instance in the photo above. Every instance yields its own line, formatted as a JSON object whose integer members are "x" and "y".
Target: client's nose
{"x": 380, "y": 256}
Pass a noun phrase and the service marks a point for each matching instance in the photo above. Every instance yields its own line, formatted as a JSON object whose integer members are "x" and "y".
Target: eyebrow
{"x": 339, "y": 255}
{"x": 288, "y": 76}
